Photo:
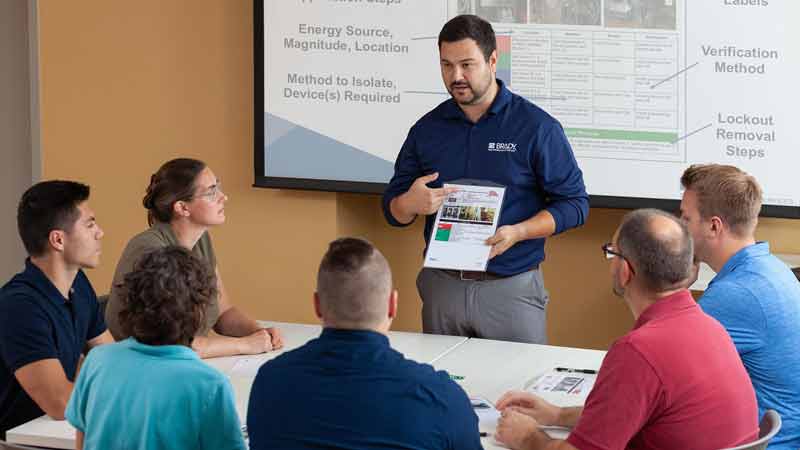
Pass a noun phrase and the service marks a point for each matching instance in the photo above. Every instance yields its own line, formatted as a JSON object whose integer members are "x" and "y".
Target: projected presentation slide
{"x": 643, "y": 88}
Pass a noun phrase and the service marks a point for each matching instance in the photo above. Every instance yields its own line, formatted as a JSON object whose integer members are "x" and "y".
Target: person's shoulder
{"x": 626, "y": 342}
{"x": 636, "y": 350}
{"x": 728, "y": 293}
{"x": 109, "y": 352}
{"x": 639, "y": 342}
{"x": 20, "y": 296}
{"x": 152, "y": 237}
{"x": 202, "y": 375}
{"x": 18, "y": 284}
{"x": 283, "y": 365}
{"x": 207, "y": 373}
{"x": 444, "y": 393}
{"x": 143, "y": 242}
{"x": 522, "y": 106}
{"x": 433, "y": 117}
{"x": 427, "y": 375}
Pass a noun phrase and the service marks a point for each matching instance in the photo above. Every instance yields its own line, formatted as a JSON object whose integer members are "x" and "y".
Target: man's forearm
{"x": 569, "y": 212}
{"x": 541, "y": 225}
{"x": 400, "y": 210}
{"x": 213, "y": 346}
{"x": 46, "y": 383}
{"x": 234, "y": 323}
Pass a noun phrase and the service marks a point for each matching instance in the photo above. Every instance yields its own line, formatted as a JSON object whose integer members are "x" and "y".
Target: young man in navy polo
{"x": 49, "y": 312}
{"x": 486, "y": 132}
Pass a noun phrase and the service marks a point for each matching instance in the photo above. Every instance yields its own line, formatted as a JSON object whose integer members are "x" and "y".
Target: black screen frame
{"x": 263, "y": 181}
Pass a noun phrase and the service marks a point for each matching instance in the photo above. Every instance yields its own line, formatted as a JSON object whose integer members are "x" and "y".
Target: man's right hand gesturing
{"x": 420, "y": 199}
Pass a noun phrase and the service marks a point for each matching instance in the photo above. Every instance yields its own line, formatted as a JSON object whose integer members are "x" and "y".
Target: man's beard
{"x": 476, "y": 94}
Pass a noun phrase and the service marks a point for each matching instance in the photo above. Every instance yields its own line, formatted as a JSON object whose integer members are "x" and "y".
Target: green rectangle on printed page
{"x": 442, "y": 234}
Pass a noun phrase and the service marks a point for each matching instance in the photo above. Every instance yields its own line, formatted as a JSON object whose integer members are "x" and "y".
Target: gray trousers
{"x": 507, "y": 309}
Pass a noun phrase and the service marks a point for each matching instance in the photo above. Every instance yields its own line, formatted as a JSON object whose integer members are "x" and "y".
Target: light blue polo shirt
{"x": 757, "y": 299}
{"x": 134, "y": 396}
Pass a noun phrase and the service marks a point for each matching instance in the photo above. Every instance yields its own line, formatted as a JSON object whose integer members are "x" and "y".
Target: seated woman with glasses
{"x": 184, "y": 199}
{"x": 151, "y": 391}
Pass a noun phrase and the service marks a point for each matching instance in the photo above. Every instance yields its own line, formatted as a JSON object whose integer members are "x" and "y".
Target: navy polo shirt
{"x": 515, "y": 144}
{"x": 36, "y": 323}
{"x": 350, "y": 390}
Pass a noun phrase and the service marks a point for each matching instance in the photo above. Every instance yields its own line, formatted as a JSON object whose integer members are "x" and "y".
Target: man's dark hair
{"x": 47, "y": 206}
{"x": 165, "y": 297}
{"x": 353, "y": 284}
{"x": 173, "y": 182}
{"x": 468, "y": 26}
{"x": 658, "y": 246}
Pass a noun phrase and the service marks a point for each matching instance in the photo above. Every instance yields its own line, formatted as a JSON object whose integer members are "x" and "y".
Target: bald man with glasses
{"x": 674, "y": 381}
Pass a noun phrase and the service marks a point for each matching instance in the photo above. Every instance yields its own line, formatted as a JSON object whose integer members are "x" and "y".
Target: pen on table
{"x": 478, "y": 403}
{"x": 456, "y": 377}
{"x": 567, "y": 369}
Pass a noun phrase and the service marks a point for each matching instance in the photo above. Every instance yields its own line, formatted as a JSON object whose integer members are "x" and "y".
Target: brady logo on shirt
{"x": 502, "y": 147}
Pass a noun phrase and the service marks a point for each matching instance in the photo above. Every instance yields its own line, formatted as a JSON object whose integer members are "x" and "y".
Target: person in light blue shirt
{"x": 152, "y": 391}
{"x": 754, "y": 295}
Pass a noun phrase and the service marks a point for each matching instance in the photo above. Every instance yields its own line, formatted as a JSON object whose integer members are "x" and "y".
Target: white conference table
{"x": 489, "y": 368}
{"x": 46, "y": 432}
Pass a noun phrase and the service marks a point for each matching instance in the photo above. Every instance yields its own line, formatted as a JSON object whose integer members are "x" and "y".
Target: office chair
{"x": 767, "y": 429}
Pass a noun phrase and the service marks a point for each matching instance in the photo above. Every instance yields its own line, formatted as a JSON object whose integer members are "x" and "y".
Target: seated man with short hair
{"x": 49, "y": 312}
{"x": 754, "y": 295}
{"x": 348, "y": 388}
{"x": 674, "y": 382}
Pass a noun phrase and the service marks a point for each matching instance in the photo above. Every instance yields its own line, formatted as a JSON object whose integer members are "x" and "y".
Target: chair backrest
{"x": 6, "y": 446}
{"x": 767, "y": 429}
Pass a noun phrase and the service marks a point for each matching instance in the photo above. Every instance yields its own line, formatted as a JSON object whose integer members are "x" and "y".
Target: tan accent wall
{"x": 127, "y": 85}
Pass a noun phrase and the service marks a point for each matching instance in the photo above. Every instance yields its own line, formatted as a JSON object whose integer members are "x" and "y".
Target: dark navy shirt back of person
{"x": 515, "y": 144}
{"x": 36, "y": 323}
{"x": 351, "y": 390}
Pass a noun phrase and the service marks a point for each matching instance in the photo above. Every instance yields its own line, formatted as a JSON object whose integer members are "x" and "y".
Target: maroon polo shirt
{"x": 674, "y": 382}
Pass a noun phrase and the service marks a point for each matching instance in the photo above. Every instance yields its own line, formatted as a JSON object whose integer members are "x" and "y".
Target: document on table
{"x": 466, "y": 219}
{"x": 488, "y": 416}
{"x": 247, "y": 367}
{"x": 486, "y": 412}
{"x": 570, "y": 383}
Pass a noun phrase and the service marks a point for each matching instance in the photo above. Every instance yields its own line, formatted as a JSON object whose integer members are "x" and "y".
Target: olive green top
{"x": 157, "y": 236}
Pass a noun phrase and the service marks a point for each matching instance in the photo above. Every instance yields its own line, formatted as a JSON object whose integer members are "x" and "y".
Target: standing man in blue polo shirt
{"x": 49, "y": 312}
{"x": 754, "y": 295}
{"x": 545, "y": 193}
